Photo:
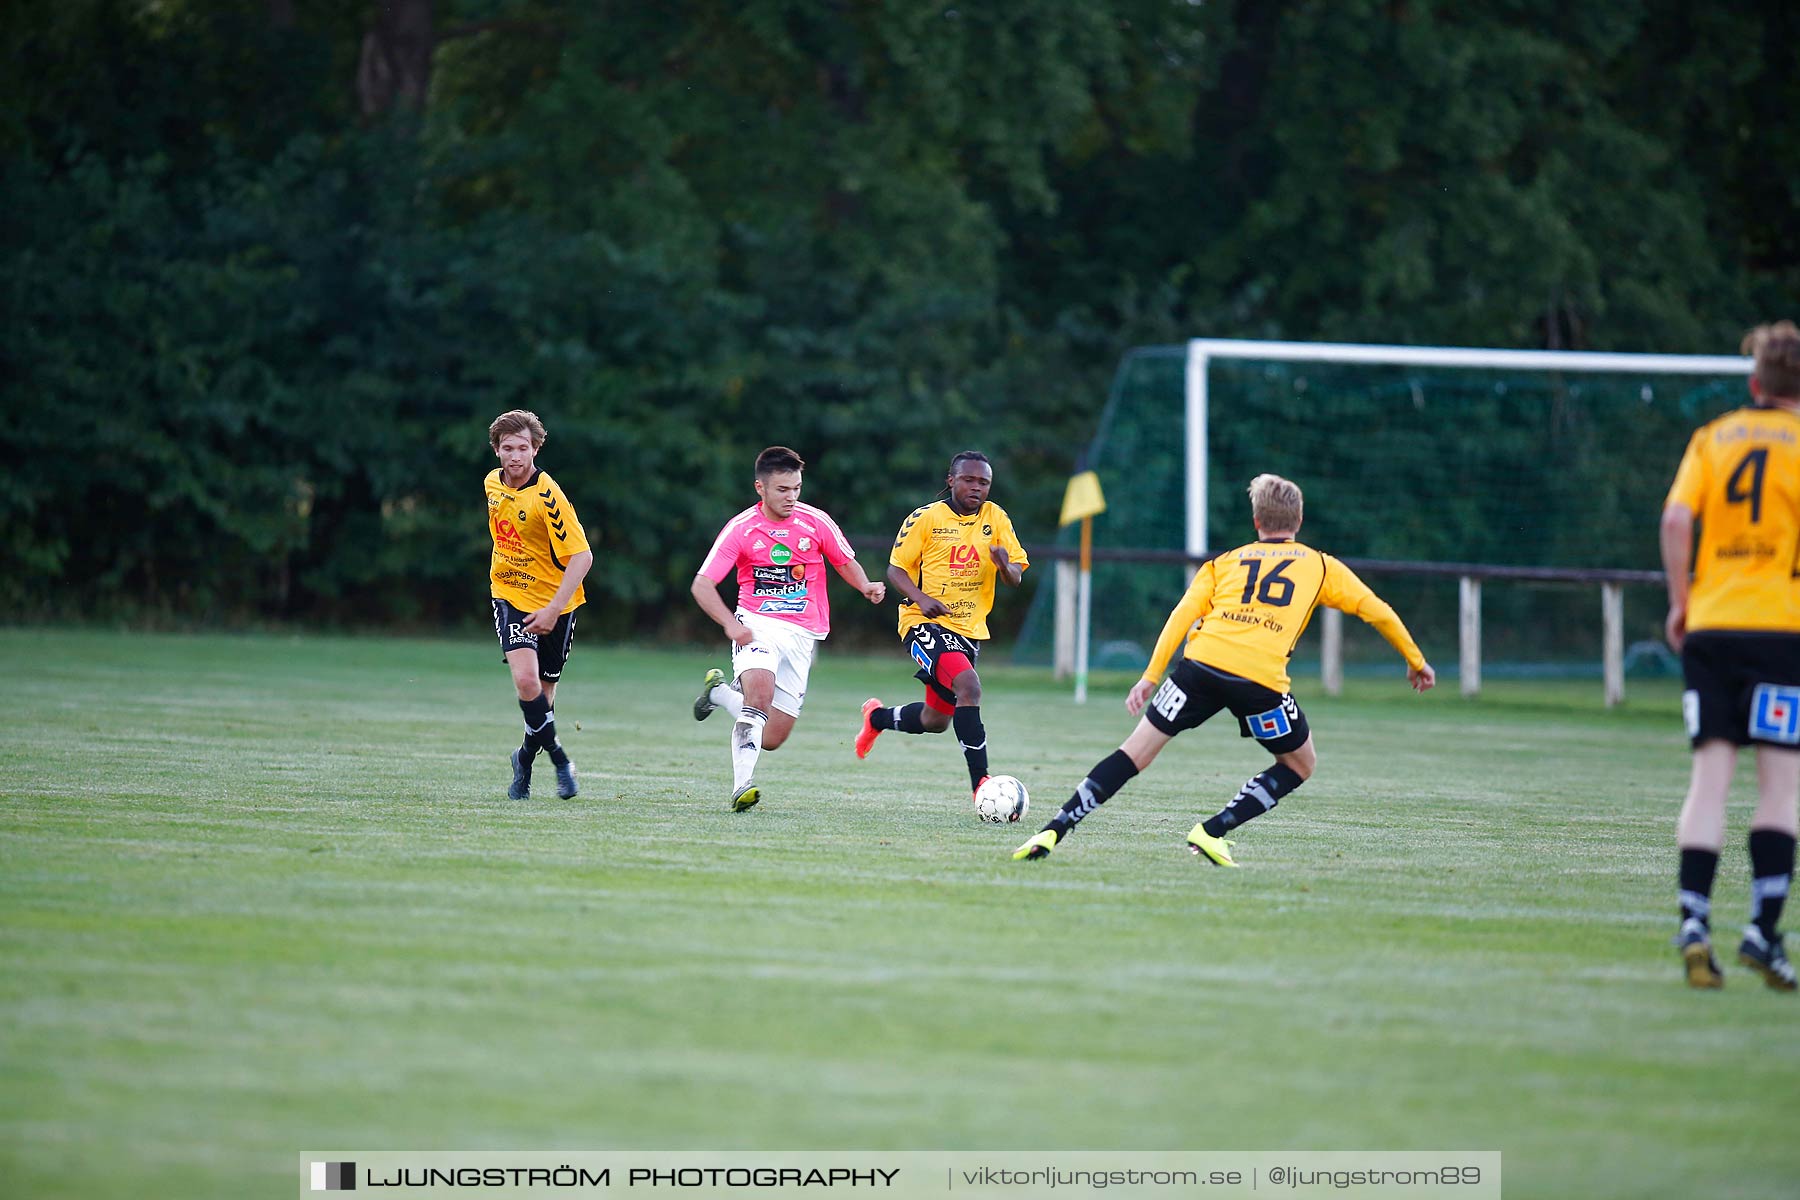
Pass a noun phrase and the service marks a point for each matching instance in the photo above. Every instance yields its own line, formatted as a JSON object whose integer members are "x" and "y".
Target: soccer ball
{"x": 1000, "y": 799}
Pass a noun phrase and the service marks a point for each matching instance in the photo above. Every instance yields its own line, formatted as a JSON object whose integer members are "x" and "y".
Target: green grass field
{"x": 265, "y": 894}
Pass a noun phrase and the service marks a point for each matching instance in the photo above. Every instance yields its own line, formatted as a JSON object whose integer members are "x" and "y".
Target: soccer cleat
{"x": 1037, "y": 847}
{"x": 520, "y": 788}
{"x": 1217, "y": 851}
{"x": 745, "y": 797}
{"x": 1697, "y": 956}
{"x": 565, "y": 779}
{"x": 866, "y": 739}
{"x": 975, "y": 796}
{"x": 703, "y": 704}
{"x": 1767, "y": 957}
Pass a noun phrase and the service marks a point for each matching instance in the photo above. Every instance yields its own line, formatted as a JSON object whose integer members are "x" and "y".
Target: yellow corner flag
{"x": 1082, "y": 499}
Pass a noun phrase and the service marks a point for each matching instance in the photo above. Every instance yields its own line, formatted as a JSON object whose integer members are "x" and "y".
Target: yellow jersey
{"x": 1741, "y": 478}
{"x": 946, "y": 555}
{"x": 1253, "y": 603}
{"x": 535, "y": 531}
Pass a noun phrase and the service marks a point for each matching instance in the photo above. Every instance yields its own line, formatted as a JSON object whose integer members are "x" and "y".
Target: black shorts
{"x": 1742, "y": 687}
{"x": 1193, "y": 692}
{"x": 553, "y": 648}
{"x": 928, "y": 644}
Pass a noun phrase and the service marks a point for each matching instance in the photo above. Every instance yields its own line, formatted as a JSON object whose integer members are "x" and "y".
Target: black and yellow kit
{"x": 1253, "y": 603}
{"x": 535, "y": 532}
{"x": 946, "y": 554}
{"x": 1741, "y": 478}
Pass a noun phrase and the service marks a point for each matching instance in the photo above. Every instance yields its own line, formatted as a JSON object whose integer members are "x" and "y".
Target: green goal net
{"x": 1498, "y": 458}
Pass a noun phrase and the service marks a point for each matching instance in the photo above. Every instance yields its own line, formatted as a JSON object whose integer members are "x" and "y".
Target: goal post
{"x": 1532, "y": 469}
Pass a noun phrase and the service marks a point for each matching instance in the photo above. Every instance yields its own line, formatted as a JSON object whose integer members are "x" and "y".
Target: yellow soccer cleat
{"x": 745, "y": 797}
{"x": 1215, "y": 850}
{"x": 1697, "y": 961}
{"x": 1038, "y": 846}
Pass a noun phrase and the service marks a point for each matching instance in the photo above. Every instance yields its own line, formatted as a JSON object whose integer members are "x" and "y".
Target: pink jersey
{"x": 781, "y": 564}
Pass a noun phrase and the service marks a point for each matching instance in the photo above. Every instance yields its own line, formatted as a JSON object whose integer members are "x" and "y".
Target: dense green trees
{"x": 270, "y": 270}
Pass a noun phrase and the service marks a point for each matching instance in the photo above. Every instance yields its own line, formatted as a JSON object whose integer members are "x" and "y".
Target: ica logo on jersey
{"x": 964, "y": 560}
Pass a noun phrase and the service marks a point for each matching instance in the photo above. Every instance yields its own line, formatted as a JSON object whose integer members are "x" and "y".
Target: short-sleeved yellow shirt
{"x": 947, "y": 556}
{"x": 1741, "y": 478}
{"x": 535, "y": 532}
{"x": 1254, "y": 602}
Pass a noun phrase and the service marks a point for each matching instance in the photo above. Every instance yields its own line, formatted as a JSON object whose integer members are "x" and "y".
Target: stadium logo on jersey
{"x": 1775, "y": 713}
{"x": 780, "y": 555}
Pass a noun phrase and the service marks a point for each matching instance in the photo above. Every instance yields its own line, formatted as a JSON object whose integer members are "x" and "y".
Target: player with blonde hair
{"x": 1237, "y": 626}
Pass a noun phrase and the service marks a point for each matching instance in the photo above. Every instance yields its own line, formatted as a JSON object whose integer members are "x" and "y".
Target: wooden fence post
{"x": 1469, "y": 613}
{"x": 1612, "y": 645}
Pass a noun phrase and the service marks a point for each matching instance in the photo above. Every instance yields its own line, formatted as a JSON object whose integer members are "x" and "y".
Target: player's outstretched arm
{"x": 706, "y": 595}
{"x": 852, "y": 572}
{"x": 1422, "y": 678}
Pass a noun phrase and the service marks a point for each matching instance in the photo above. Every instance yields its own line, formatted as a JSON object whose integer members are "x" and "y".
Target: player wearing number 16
{"x": 1238, "y": 621}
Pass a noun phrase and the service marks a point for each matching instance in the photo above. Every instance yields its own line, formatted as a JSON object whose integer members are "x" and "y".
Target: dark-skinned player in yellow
{"x": 946, "y": 559}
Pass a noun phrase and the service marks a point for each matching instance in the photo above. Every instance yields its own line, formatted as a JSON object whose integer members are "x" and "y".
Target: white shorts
{"x": 781, "y": 647}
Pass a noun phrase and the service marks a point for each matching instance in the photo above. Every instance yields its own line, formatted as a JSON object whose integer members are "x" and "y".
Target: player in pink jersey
{"x": 778, "y": 549}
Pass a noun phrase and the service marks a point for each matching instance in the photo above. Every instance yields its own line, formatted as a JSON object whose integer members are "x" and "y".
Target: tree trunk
{"x": 395, "y": 68}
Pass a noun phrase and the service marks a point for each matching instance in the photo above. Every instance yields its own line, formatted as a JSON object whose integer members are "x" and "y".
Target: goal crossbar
{"x": 1201, "y": 352}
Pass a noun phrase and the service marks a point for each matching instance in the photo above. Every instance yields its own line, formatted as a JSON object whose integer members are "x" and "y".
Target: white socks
{"x": 746, "y": 744}
{"x": 728, "y": 698}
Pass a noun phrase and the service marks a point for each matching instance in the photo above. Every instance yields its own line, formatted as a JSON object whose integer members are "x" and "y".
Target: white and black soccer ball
{"x": 1001, "y": 799}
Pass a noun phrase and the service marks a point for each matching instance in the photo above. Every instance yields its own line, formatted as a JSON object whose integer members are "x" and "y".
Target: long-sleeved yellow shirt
{"x": 1253, "y": 603}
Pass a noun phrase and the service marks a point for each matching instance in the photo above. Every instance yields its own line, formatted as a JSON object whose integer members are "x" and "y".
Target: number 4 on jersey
{"x": 1754, "y": 464}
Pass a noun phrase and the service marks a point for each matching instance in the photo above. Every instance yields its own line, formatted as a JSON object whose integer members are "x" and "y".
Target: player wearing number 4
{"x": 1737, "y": 626}
{"x": 1252, "y": 604}
{"x": 944, "y": 563}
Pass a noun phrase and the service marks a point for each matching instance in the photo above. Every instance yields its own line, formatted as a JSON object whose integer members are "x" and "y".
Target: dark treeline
{"x": 270, "y": 269}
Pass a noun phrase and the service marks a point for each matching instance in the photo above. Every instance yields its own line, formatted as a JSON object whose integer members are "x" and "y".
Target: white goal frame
{"x": 1202, "y": 351}
{"x": 1071, "y": 636}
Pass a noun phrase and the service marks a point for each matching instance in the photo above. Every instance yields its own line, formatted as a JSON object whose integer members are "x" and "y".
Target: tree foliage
{"x": 261, "y": 305}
